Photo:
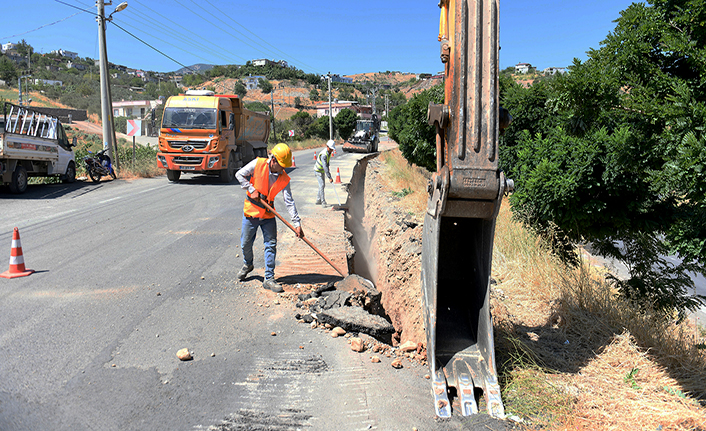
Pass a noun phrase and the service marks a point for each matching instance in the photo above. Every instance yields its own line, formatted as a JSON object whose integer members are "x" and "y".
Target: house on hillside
{"x": 9, "y": 48}
{"x": 64, "y": 53}
{"x": 341, "y": 79}
{"x": 554, "y": 70}
{"x": 134, "y": 108}
{"x": 523, "y": 68}
{"x": 363, "y": 111}
{"x": 48, "y": 82}
{"x": 266, "y": 62}
{"x": 70, "y": 64}
{"x": 251, "y": 81}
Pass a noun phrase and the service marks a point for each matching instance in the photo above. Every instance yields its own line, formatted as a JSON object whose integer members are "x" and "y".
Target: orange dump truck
{"x": 203, "y": 133}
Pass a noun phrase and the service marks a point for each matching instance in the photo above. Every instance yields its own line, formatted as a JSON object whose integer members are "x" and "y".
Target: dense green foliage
{"x": 345, "y": 123}
{"x": 264, "y": 85}
{"x": 613, "y": 153}
{"x": 320, "y": 127}
{"x": 409, "y": 128}
{"x": 257, "y": 107}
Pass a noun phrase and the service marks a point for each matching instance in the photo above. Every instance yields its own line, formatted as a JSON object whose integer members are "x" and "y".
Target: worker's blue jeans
{"x": 268, "y": 226}
{"x": 321, "y": 179}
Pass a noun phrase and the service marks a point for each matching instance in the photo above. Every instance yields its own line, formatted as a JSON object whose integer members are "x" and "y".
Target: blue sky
{"x": 343, "y": 37}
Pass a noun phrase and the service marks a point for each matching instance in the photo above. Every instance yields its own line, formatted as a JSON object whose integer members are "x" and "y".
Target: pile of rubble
{"x": 351, "y": 308}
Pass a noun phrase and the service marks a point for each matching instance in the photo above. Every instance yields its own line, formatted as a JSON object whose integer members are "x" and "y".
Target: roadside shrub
{"x": 409, "y": 128}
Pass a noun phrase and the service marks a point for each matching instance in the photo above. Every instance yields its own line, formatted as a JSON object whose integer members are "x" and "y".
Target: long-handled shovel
{"x": 306, "y": 240}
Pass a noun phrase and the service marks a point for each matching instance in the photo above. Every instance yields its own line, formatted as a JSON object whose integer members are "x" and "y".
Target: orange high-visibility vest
{"x": 261, "y": 181}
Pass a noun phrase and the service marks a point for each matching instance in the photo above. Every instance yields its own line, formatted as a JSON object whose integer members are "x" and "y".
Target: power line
{"x": 254, "y": 34}
{"x": 41, "y": 27}
{"x": 180, "y": 35}
{"x": 142, "y": 41}
{"x": 168, "y": 43}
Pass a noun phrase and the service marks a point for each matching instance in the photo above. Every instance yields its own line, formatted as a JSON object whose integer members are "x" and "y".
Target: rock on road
{"x": 130, "y": 272}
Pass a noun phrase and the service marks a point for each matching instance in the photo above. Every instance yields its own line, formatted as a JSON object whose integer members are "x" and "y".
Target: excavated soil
{"x": 376, "y": 240}
{"x": 388, "y": 248}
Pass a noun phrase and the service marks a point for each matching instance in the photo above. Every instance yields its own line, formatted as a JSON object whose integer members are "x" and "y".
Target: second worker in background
{"x": 321, "y": 168}
{"x": 262, "y": 179}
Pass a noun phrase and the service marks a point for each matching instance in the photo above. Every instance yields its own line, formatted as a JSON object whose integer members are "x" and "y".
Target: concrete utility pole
{"x": 272, "y": 103}
{"x": 330, "y": 112}
{"x": 109, "y": 141}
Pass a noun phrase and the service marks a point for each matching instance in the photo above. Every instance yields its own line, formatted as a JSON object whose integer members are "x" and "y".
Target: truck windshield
{"x": 190, "y": 118}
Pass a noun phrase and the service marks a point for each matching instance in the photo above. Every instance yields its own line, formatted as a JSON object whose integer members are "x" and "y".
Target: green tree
{"x": 408, "y": 127}
{"x": 320, "y": 127}
{"x": 264, "y": 85}
{"x": 302, "y": 121}
{"x": 345, "y": 92}
{"x": 345, "y": 123}
{"x": 257, "y": 106}
{"x": 618, "y": 157}
{"x": 298, "y": 102}
{"x": 314, "y": 95}
{"x": 8, "y": 72}
{"x": 239, "y": 89}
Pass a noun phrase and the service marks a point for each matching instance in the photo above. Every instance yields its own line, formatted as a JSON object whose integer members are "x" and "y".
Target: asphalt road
{"x": 128, "y": 273}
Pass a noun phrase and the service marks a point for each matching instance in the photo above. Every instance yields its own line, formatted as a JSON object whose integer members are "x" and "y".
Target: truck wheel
{"x": 18, "y": 184}
{"x": 70, "y": 175}
{"x": 227, "y": 174}
{"x": 173, "y": 175}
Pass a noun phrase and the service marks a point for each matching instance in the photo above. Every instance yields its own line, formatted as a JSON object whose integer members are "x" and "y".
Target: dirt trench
{"x": 387, "y": 248}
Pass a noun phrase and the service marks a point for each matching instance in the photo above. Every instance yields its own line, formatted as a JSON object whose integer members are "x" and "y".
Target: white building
{"x": 522, "y": 67}
{"x": 554, "y": 70}
{"x": 64, "y": 53}
{"x": 134, "y": 108}
{"x": 9, "y": 47}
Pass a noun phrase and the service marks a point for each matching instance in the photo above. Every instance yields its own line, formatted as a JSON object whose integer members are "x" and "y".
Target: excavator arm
{"x": 464, "y": 199}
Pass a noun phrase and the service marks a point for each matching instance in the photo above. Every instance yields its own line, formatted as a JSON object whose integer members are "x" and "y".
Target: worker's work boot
{"x": 244, "y": 271}
{"x": 317, "y": 203}
{"x": 271, "y": 284}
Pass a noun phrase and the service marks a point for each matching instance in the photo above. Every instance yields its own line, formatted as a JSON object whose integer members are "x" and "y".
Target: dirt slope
{"x": 388, "y": 245}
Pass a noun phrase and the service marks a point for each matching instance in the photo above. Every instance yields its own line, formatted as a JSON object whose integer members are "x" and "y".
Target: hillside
{"x": 285, "y": 91}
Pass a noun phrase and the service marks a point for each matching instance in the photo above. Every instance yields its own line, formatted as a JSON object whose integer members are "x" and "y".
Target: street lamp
{"x": 109, "y": 140}
{"x": 120, "y": 7}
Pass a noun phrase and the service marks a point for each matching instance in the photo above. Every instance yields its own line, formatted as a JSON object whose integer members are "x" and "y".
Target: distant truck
{"x": 33, "y": 144}
{"x": 203, "y": 133}
{"x": 366, "y": 136}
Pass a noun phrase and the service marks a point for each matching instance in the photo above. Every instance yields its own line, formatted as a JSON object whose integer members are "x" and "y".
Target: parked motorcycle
{"x": 98, "y": 166}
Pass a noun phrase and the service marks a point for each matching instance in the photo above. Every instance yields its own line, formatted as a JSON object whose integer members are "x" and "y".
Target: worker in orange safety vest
{"x": 262, "y": 179}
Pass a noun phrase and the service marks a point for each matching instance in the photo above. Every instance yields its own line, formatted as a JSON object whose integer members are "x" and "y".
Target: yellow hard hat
{"x": 283, "y": 155}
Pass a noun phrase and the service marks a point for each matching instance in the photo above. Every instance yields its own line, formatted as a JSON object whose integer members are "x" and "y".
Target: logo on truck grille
{"x": 187, "y": 148}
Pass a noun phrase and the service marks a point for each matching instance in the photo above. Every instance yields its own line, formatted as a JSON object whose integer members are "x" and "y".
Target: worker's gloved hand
{"x": 255, "y": 195}
{"x": 330, "y": 180}
{"x": 298, "y": 230}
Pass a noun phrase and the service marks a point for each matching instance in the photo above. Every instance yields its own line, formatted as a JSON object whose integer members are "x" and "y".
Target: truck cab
{"x": 209, "y": 134}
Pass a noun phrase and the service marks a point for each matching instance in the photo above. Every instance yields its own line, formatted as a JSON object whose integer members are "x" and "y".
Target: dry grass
{"x": 408, "y": 181}
{"x": 573, "y": 355}
{"x": 618, "y": 369}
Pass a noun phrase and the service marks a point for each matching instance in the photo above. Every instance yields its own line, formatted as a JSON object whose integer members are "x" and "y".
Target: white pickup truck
{"x": 33, "y": 144}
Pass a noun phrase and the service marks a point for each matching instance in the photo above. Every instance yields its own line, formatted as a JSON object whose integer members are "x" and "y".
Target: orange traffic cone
{"x": 338, "y": 176}
{"x": 314, "y": 155}
{"x": 17, "y": 261}
{"x": 294, "y": 162}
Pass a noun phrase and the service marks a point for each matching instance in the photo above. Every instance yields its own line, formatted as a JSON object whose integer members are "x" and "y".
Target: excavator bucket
{"x": 465, "y": 197}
